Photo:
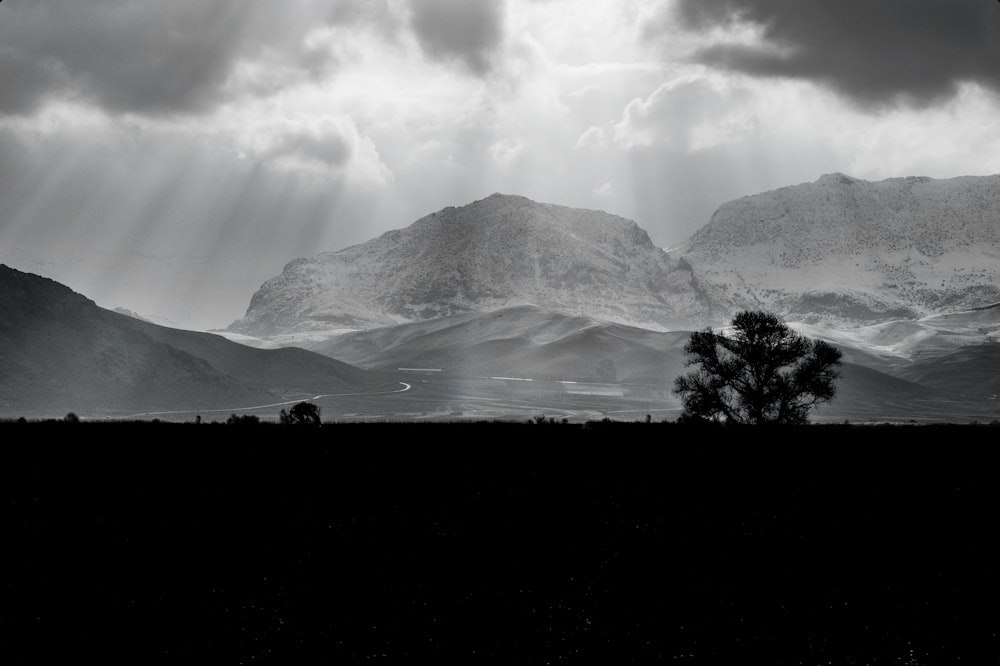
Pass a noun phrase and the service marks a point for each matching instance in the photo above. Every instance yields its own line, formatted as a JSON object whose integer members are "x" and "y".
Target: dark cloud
{"x": 161, "y": 58}
{"x": 353, "y": 12}
{"x": 26, "y": 80}
{"x": 126, "y": 55}
{"x": 465, "y": 30}
{"x": 876, "y": 52}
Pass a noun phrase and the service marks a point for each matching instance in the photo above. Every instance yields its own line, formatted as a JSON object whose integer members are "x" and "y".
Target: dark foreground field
{"x": 509, "y": 544}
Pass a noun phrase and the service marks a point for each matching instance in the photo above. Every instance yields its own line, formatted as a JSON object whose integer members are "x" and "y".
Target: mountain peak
{"x": 500, "y": 199}
{"x": 497, "y": 252}
{"x": 837, "y": 179}
{"x": 856, "y": 250}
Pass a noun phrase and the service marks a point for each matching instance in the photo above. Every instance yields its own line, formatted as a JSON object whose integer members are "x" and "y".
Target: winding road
{"x": 406, "y": 387}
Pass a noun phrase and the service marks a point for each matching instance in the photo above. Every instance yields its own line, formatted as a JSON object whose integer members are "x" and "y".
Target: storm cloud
{"x": 180, "y": 57}
{"x": 468, "y": 31}
{"x": 123, "y": 55}
{"x": 874, "y": 53}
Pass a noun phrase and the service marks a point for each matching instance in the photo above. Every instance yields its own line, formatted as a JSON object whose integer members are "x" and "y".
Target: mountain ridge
{"x": 501, "y": 251}
{"x": 839, "y": 251}
{"x": 848, "y": 251}
{"x": 60, "y": 351}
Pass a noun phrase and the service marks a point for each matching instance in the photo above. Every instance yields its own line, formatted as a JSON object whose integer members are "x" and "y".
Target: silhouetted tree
{"x": 71, "y": 418}
{"x": 761, "y": 372}
{"x": 303, "y": 413}
{"x": 244, "y": 419}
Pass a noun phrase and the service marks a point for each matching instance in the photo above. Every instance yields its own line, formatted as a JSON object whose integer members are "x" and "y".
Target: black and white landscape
{"x": 663, "y": 164}
{"x": 506, "y": 308}
{"x": 349, "y": 331}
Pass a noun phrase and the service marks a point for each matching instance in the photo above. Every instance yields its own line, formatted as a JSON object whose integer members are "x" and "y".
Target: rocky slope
{"x": 846, "y": 252}
{"x": 498, "y": 252}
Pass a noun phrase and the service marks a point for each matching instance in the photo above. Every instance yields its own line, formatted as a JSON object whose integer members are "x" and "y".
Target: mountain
{"x": 59, "y": 351}
{"x": 839, "y": 252}
{"x": 849, "y": 252}
{"x": 901, "y": 274}
{"x": 495, "y": 253}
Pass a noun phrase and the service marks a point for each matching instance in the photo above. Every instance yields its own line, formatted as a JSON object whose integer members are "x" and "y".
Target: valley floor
{"x": 417, "y": 396}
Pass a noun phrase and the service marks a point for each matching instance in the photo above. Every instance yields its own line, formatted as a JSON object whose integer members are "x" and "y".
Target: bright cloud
{"x": 685, "y": 114}
{"x": 605, "y": 190}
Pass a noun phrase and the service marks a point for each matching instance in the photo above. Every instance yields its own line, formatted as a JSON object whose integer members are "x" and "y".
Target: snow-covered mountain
{"x": 499, "y": 252}
{"x": 839, "y": 252}
{"x": 844, "y": 251}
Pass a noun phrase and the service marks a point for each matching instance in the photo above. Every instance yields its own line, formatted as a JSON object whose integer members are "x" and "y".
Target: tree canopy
{"x": 759, "y": 371}
{"x": 302, "y": 413}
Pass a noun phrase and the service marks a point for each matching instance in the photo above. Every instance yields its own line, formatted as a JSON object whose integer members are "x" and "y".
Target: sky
{"x": 169, "y": 157}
